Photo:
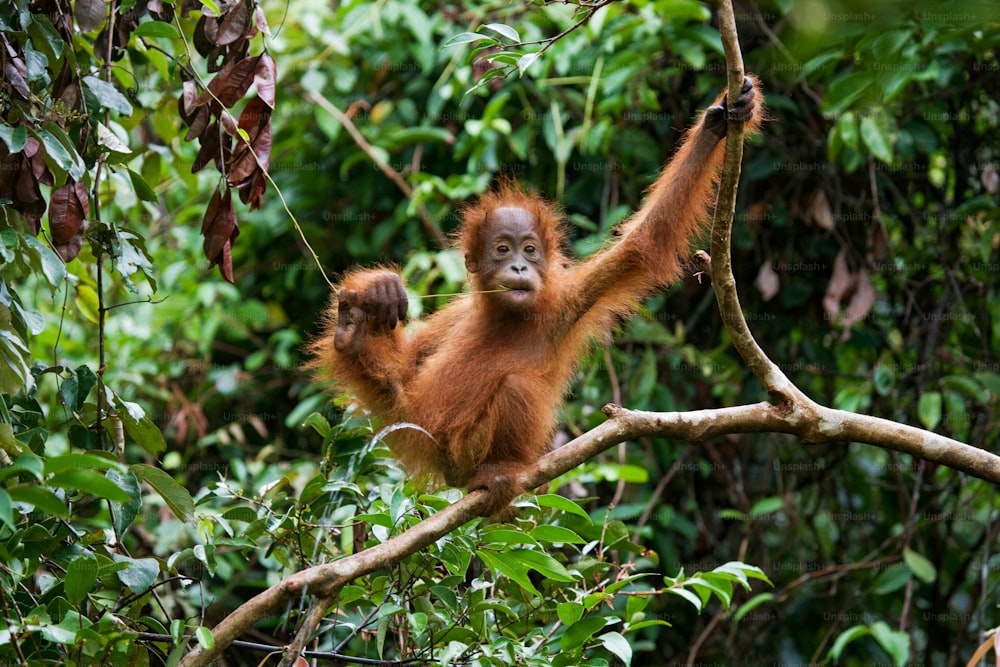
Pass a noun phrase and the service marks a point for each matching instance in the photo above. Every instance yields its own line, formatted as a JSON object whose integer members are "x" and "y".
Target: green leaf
{"x": 14, "y": 137}
{"x": 25, "y": 463}
{"x": 504, "y": 31}
{"x": 525, "y": 61}
{"x": 929, "y": 409}
{"x": 6, "y": 509}
{"x": 750, "y": 605}
{"x": 42, "y": 257}
{"x": 707, "y": 582}
{"x": 569, "y": 612}
{"x": 110, "y": 140}
{"x": 90, "y": 482}
{"x": 844, "y": 90}
{"x": 58, "y": 464}
{"x": 140, "y": 574}
{"x": 467, "y": 37}
{"x": 687, "y": 595}
{"x": 562, "y": 504}
{"x": 15, "y": 363}
{"x": 76, "y": 388}
{"x": 59, "y": 149}
{"x": 896, "y": 643}
{"x": 124, "y": 513}
{"x": 516, "y": 572}
{"x": 876, "y": 139}
{"x": 767, "y": 506}
{"x": 558, "y": 534}
{"x": 419, "y": 134}
{"x": 507, "y": 536}
{"x": 41, "y": 499}
{"x": 141, "y": 187}
{"x": 743, "y": 570}
{"x": 63, "y": 633}
{"x": 130, "y": 256}
{"x": 618, "y": 645}
{"x": 845, "y": 638}
{"x": 891, "y": 580}
{"x": 847, "y": 125}
{"x": 81, "y": 573}
{"x": 156, "y": 29}
{"x": 205, "y": 638}
{"x": 139, "y": 427}
{"x": 887, "y": 45}
{"x": 967, "y": 385}
{"x": 883, "y": 379}
{"x": 635, "y": 627}
{"x": 922, "y": 568}
{"x": 579, "y": 633}
{"x": 541, "y": 562}
{"x": 174, "y": 495}
{"x": 107, "y": 95}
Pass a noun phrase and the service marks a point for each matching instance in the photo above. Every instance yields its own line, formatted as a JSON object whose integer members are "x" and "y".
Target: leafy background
{"x": 167, "y": 464}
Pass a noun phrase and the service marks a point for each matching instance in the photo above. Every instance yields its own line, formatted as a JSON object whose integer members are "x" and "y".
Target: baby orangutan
{"x": 485, "y": 375}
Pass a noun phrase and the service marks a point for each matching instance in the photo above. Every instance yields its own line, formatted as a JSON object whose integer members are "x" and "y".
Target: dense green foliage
{"x": 165, "y": 457}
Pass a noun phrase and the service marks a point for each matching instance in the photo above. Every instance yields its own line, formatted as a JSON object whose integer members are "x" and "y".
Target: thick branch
{"x": 814, "y": 425}
{"x": 723, "y": 281}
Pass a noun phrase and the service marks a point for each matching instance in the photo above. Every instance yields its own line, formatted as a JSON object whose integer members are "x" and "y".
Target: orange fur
{"x": 487, "y": 382}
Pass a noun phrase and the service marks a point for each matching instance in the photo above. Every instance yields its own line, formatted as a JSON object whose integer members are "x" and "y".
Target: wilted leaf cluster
{"x": 240, "y": 148}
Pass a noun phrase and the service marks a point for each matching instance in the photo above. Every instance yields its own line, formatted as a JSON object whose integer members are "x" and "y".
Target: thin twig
{"x": 386, "y": 169}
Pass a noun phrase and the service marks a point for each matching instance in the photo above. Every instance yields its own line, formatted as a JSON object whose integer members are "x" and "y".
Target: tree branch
{"x": 822, "y": 425}
{"x": 392, "y": 174}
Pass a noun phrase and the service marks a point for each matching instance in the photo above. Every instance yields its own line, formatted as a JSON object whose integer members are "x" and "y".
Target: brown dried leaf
{"x": 231, "y": 83}
{"x": 820, "y": 211}
{"x": 220, "y": 230}
{"x": 161, "y": 11}
{"x": 840, "y": 283}
{"x": 256, "y": 122}
{"x": 767, "y": 283}
{"x": 17, "y": 76}
{"x": 28, "y": 191}
{"x": 229, "y": 125}
{"x": 244, "y": 164}
{"x": 990, "y": 179}
{"x": 862, "y": 300}
{"x": 856, "y": 288}
{"x": 265, "y": 78}
{"x": 878, "y": 242}
{"x": 199, "y": 124}
{"x": 219, "y": 225}
{"x": 255, "y": 117}
{"x": 226, "y": 261}
{"x": 241, "y": 168}
{"x": 252, "y": 193}
{"x": 69, "y": 250}
{"x": 90, "y": 14}
{"x": 235, "y": 23}
{"x": 68, "y": 208}
{"x": 261, "y": 20}
{"x": 212, "y": 148}
{"x": 31, "y": 146}
{"x": 187, "y": 103}
{"x": 204, "y": 34}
